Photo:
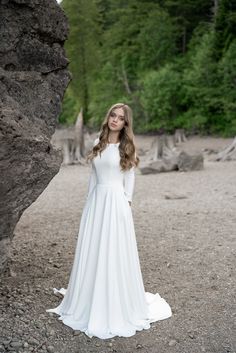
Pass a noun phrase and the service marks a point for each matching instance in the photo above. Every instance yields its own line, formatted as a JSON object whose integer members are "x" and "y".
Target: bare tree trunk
{"x": 215, "y": 8}
{"x": 79, "y": 148}
{"x": 180, "y": 136}
{"x": 162, "y": 146}
{"x": 165, "y": 157}
{"x": 67, "y": 144}
{"x": 134, "y": 97}
{"x": 228, "y": 153}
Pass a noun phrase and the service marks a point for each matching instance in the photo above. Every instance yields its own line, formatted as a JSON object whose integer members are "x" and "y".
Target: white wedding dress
{"x": 105, "y": 296}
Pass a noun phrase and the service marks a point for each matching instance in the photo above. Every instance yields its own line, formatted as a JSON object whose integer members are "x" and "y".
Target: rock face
{"x": 33, "y": 79}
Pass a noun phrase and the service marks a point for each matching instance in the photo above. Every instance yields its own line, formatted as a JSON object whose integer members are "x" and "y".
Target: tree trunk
{"x": 228, "y": 153}
{"x": 165, "y": 157}
{"x": 79, "y": 148}
{"x": 180, "y": 136}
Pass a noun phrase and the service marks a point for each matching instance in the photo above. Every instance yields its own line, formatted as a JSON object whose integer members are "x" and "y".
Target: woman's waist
{"x": 110, "y": 183}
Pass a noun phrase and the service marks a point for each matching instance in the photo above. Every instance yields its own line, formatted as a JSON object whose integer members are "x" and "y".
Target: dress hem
{"x": 154, "y": 301}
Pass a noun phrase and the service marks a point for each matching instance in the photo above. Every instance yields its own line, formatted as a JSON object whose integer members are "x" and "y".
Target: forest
{"x": 173, "y": 61}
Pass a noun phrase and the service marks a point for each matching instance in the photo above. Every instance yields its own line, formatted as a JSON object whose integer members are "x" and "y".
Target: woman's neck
{"x": 113, "y": 138}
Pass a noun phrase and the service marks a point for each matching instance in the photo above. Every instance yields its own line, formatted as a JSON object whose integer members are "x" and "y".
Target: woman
{"x": 105, "y": 296}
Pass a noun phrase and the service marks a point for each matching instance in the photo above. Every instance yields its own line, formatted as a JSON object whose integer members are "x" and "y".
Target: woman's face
{"x": 116, "y": 120}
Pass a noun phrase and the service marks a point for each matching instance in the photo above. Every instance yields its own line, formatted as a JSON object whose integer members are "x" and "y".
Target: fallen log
{"x": 228, "y": 153}
{"x": 188, "y": 162}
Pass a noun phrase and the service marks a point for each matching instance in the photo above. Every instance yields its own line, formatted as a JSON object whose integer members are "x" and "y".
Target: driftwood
{"x": 188, "y": 162}
{"x": 79, "y": 148}
{"x": 71, "y": 141}
{"x": 68, "y": 146}
{"x": 164, "y": 156}
{"x": 162, "y": 147}
{"x": 228, "y": 153}
{"x": 179, "y": 136}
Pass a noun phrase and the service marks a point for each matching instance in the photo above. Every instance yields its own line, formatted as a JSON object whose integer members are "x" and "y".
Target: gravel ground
{"x": 187, "y": 254}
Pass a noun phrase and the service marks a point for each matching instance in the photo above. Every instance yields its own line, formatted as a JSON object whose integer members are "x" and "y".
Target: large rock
{"x": 188, "y": 162}
{"x": 179, "y": 160}
{"x": 33, "y": 79}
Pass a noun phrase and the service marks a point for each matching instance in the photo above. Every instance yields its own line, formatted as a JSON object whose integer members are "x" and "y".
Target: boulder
{"x": 187, "y": 162}
{"x": 33, "y": 79}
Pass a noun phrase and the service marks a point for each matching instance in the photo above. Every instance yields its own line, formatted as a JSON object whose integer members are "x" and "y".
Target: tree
{"x": 224, "y": 27}
{"x": 186, "y": 15}
{"x": 82, "y": 47}
{"x": 161, "y": 97}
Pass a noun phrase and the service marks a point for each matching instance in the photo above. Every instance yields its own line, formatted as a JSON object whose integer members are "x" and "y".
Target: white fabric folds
{"x": 105, "y": 296}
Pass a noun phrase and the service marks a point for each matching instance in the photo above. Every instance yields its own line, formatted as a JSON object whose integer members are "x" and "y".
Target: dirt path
{"x": 187, "y": 254}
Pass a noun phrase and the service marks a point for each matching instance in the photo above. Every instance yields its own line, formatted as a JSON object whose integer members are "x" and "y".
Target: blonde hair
{"x": 127, "y": 149}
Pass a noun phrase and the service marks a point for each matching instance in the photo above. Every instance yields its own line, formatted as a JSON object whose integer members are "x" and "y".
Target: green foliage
{"x": 82, "y": 47}
{"x": 201, "y": 81}
{"x": 173, "y": 62}
{"x": 106, "y": 90}
{"x": 156, "y": 40}
{"x": 187, "y": 15}
{"x": 161, "y": 97}
{"x": 70, "y": 108}
{"x": 227, "y": 71}
{"x": 224, "y": 27}
{"x": 210, "y": 94}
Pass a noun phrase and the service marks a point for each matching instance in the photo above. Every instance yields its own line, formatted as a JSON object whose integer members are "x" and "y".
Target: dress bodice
{"x": 106, "y": 169}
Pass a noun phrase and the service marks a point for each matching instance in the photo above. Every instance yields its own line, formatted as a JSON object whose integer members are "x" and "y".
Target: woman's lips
{"x": 113, "y": 125}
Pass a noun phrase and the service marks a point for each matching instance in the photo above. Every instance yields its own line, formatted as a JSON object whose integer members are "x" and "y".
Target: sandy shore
{"x": 187, "y": 254}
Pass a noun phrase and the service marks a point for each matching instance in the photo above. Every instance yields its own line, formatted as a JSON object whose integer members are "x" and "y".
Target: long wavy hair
{"x": 127, "y": 149}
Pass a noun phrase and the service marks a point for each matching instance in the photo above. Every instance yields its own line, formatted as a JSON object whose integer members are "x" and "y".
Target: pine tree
{"x": 82, "y": 47}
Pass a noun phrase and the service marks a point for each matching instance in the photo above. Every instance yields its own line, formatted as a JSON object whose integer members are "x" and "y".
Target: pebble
{"x": 6, "y": 342}
{"x": 16, "y": 344}
{"x": 50, "y": 349}
{"x": 139, "y": 346}
{"x": 33, "y": 341}
{"x": 38, "y": 324}
{"x": 76, "y": 333}
{"x": 172, "y": 343}
{"x": 191, "y": 335}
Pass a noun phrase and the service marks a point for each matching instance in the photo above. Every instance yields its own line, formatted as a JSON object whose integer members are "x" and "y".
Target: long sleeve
{"x": 92, "y": 181}
{"x": 92, "y": 178}
{"x": 129, "y": 180}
